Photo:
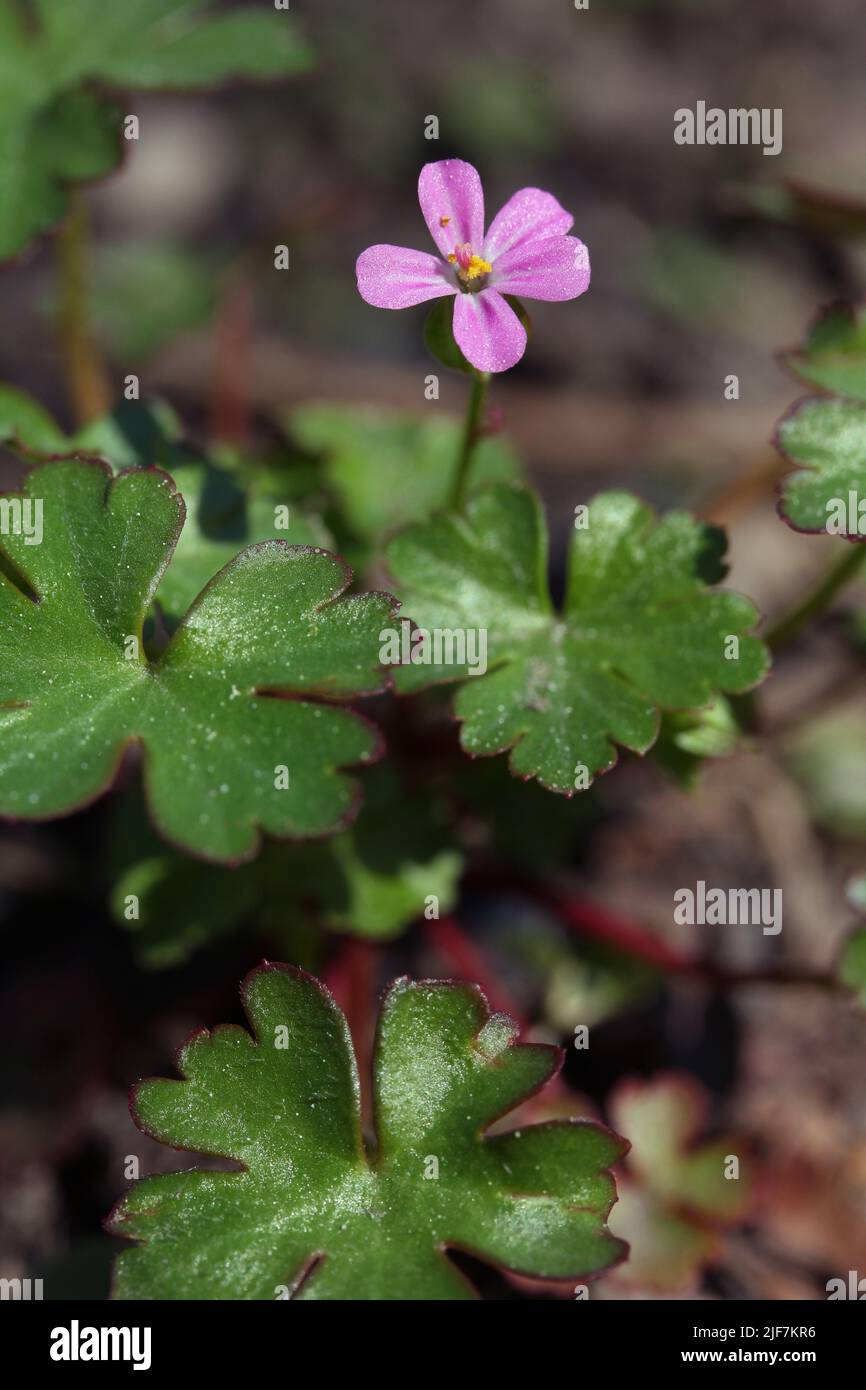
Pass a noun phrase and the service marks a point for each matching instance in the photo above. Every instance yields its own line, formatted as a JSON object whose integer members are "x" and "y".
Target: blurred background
{"x": 706, "y": 261}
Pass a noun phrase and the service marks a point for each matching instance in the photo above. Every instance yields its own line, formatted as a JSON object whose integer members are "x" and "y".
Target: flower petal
{"x": 487, "y": 331}
{"x": 395, "y": 277}
{"x": 557, "y": 267}
{"x": 452, "y": 201}
{"x": 530, "y": 215}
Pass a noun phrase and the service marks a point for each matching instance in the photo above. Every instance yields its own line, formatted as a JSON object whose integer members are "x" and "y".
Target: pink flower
{"x": 526, "y": 252}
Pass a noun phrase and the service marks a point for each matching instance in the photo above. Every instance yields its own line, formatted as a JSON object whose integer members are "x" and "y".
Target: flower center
{"x": 470, "y": 268}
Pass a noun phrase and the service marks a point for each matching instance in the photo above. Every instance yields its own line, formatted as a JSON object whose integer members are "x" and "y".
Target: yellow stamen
{"x": 476, "y": 267}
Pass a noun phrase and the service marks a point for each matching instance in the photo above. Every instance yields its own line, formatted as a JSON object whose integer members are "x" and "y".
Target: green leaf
{"x": 55, "y": 130}
{"x": 688, "y": 737}
{"x": 137, "y": 433}
{"x": 75, "y": 137}
{"x": 371, "y": 880}
{"x": 386, "y": 470}
{"x": 826, "y": 439}
{"x": 312, "y": 1212}
{"x": 77, "y": 687}
{"x": 221, "y": 520}
{"x": 180, "y": 904}
{"x": 24, "y": 422}
{"x": 675, "y": 1196}
{"x": 227, "y": 508}
{"x": 639, "y": 631}
{"x": 834, "y": 357}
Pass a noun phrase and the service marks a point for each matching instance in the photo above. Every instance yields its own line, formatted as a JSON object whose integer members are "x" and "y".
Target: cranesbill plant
{"x": 192, "y": 608}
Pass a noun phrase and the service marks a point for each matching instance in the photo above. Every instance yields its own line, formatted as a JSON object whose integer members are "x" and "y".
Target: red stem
{"x": 588, "y": 919}
{"x": 351, "y": 979}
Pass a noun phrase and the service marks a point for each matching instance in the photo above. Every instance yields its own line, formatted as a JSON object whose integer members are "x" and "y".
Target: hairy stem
{"x": 471, "y": 436}
{"x": 819, "y": 599}
{"x": 86, "y": 378}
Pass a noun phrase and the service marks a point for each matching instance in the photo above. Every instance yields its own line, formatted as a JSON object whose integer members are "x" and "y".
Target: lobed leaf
{"x": 834, "y": 355}
{"x": 317, "y": 1216}
{"x": 77, "y": 685}
{"x": 371, "y": 880}
{"x": 826, "y": 439}
{"x": 826, "y": 436}
{"x": 639, "y": 631}
{"x": 227, "y": 508}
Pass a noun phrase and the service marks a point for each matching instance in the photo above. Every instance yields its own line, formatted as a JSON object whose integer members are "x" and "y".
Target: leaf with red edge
{"x": 825, "y": 436}
{"x": 315, "y": 1215}
{"x": 223, "y": 758}
{"x": 639, "y": 630}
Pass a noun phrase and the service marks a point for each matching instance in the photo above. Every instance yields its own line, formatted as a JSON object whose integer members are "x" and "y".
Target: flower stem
{"x": 86, "y": 379}
{"x": 819, "y": 599}
{"x": 471, "y": 436}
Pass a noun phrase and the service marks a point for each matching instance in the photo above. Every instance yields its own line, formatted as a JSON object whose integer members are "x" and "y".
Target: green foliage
{"x": 56, "y": 129}
{"x": 371, "y": 880}
{"x": 827, "y": 441}
{"x": 386, "y": 470}
{"x": 638, "y": 632}
{"x": 687, "y": 738}
{"x": 78, "y": 686}
{"x": 826, "y": 436}
{"x": 834, "y": 355}
{"x": 223, "y": 518}
{"x": 230, "y": 503}
{"x": 316, "y": 1214}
